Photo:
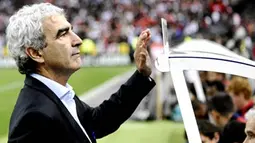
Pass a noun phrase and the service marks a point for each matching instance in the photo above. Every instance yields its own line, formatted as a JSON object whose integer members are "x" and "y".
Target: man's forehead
{"x": 55, "y": 21}
{"x": 56, "y": 18}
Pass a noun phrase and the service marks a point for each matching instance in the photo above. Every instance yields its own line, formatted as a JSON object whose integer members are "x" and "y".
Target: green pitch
{"x": 147, "y": 132}
{"x": 86, "y": 78}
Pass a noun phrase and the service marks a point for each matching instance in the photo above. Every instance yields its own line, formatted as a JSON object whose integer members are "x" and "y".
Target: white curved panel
{"x": 200, "y": 55}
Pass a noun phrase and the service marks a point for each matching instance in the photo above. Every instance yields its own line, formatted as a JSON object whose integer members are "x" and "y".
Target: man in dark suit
{"x": 47, "y": 110}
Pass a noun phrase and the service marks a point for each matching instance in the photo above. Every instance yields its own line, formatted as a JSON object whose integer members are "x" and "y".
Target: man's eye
{"x": 251, "y": 135}
{"x": 63, "y": 34}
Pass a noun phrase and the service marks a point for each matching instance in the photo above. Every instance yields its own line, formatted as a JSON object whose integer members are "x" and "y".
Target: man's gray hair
{"x": 25, "y": 30}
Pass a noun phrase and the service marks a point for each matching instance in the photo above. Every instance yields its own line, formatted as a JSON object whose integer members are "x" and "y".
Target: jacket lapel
{"x": 80, "y": 112}
{"x": 36, "y": 84}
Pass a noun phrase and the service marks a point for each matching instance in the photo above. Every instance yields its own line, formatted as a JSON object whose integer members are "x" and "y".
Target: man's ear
{"x": 36, "y": 55}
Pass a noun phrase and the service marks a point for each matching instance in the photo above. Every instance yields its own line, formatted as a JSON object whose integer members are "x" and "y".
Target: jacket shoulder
{"x": 31, "y": 103}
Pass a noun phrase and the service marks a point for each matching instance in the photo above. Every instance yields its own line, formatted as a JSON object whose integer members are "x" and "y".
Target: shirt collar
{"x": 57, "y": 88}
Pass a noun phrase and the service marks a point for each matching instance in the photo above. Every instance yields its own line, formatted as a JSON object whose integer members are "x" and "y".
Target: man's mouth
{"x": 77, "y": 53}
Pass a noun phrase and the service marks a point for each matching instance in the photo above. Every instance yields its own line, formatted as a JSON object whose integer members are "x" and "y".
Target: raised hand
{"x": 141, "y": 55}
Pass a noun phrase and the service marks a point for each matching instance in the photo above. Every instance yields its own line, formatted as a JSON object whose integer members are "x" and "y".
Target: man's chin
{"x": 77, "y": 67}
{"x": 73, "y": 70}
{"x": 78, "y": 63}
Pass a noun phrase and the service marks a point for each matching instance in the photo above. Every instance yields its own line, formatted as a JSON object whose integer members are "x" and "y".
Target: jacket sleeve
{"x": 108, "y": 116}
{"x": 34, "y": 127}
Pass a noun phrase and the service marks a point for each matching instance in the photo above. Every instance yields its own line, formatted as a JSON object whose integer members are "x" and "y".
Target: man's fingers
{"x": 143, "y": 43}
{"x": 147, "y": 39}
{"x": 141, "y": 39}
{"x": 144, "y": 37}
{"x": 148, "y": 33}
{"x": 141, "y": 55}
{"x": 142, "y": 59}
{"x": 145, "y": 34}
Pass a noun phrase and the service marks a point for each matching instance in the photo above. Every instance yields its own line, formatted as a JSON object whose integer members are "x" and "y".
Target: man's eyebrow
{"x": 60, "y": 31}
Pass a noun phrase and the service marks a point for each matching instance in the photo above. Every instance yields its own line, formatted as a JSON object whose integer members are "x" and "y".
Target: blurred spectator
{"x": 125, "y": 48}
{"x": 88, "y": 47}
{"x": 220, "y": 109}
{"x": 208, "y": 132}
{"x": 213, "y": 87}
{"x": 217, "y": 6}
{"x": 213, "y": 83}
{"x": 240, "y": 90}
{"x": 233, "y": 132}
{"x": 200, "y": 109}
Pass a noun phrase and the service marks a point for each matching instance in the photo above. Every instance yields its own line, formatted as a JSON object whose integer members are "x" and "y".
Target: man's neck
{"x": 58, "y": 77}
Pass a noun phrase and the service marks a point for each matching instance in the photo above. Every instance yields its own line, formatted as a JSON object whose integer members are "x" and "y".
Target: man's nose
{"x": 76, "y": 40}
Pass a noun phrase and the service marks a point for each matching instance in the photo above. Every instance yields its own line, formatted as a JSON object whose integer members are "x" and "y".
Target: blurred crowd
{"x": 223, "y": 116}
{"x": 113, "y": 26}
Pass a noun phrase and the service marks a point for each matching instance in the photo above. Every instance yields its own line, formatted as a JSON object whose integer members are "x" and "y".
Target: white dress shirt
{"x": 65, "y": 94}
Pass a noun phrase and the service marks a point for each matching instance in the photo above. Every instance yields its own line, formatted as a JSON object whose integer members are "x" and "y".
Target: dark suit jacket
{"x": 40, "y": 117}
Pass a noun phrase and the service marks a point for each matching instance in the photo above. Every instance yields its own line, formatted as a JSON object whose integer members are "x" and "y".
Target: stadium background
{"x": 109, "y": 30}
